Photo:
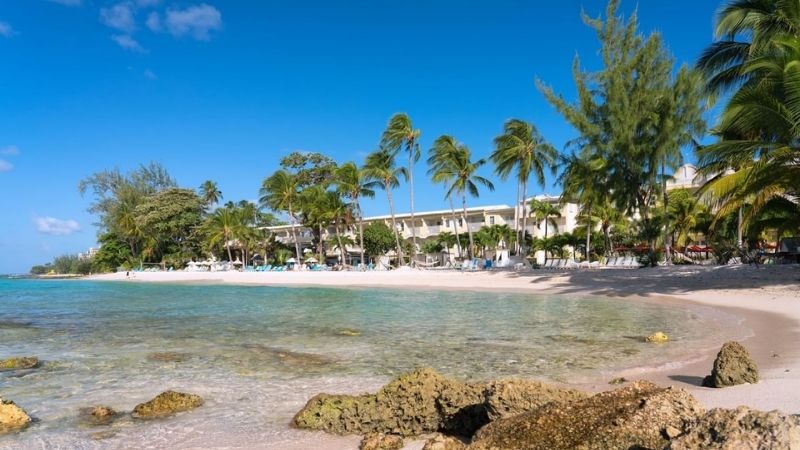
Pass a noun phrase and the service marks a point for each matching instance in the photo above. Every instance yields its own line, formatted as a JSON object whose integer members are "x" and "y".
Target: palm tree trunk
{"x": 545, "y": 236}
{"x": 524, "y": 217}
{"x": 455, "y": 229}
{"x": 321, "y": 244}
{"x": 360, "y": 232}
{"x": 342, "y": 250}
{"x": 739, "y": 228}
{"x": 228, "y": 247}
{"x": 411, "y": 186}
{"x": 469, "y": 230}
{"x": 667, "y": 243}
{"x": 294, "y": 234}
{"x": 394, "y": 227}
{"x": 516, "y": 219}
{"x": 588, "y": 232}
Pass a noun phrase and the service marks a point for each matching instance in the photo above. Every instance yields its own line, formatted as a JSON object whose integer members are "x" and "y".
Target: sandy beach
{"x": 766, "y": 299}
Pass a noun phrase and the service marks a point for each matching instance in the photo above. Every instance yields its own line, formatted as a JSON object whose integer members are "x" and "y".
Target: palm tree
{"x": 352, "y": 183}
{"x": 582, "y": 179}
{"x": 523, "y": 149}
{"x": 279, "y": 192}
{"x": 547, "y": 212}
{"x": 455, "y": 168}
{"x": 436, "y": 160}
{"x": 447, "y": 240}
{"x": 210, "y": 193}
{"x": 221, "y": 227}
{"x": 381, "y": 170}
{"x": 401, "y": 134}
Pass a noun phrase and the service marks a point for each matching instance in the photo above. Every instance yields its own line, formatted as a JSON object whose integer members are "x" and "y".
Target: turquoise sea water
{"x": 257, "y": 353}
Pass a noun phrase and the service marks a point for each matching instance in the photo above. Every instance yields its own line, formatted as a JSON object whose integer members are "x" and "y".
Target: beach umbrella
{"x": 291, "y": 260}
{"x": 312, "y": 260}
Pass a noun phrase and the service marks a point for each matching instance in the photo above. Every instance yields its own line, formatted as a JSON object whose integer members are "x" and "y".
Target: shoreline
{"x": 766, "y": 299}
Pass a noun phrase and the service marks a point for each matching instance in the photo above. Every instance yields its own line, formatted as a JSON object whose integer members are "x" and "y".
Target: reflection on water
{"x": 257, "y": 353}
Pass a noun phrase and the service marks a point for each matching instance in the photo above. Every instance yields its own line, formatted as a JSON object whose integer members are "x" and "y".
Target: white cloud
{"x": 149, "y": 74}
{"x": 68, "y": 2}
{"x": 5, "y": 166}
{"x": 195, "y": 21}
{"x": 6, "y": 30}
{"x": 153, "y": 21}
{"x": 119, "y": 16}
{"x": 56, "y": 227}
{"x": 11, "y": 150}
{"x": 128, "y": 43}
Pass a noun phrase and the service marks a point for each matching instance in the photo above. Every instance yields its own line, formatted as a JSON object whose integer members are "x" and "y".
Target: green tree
{"x": 378, "y": 239}
{"x": 279, "y": 192}
{"x": 401, "y": 134}
{"x": 547, "y": 212}
{"x": 381, "y": 170}
{"x": 222, "y": 227}
{"x": 309, "y": 168}
{"x": 168, "y": 219}
{"x": 634, "y": 113}
{"x": 353, "y": 184}
{"x": 456, "y": 169}
{"x": 447, "y": 240}
{"x": 112, "y": 254}
{"x": 522, "y": 149}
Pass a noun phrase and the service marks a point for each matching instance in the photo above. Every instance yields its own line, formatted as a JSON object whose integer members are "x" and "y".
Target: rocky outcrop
{"x": 511, "y": 397}
{"x": 380, "y": 441}
{"x": 733, "y": 366}
{"x": 167, "y": 403}
{"x": 98, "y": 415}
{"x": 442, "y": 442}
{"x": 12, "y": 416}
{"x": 741, "y": 429}
{"x": 419, "y": 402}
{"x": 658, "y": 338}
{"x": 640, "y": 415}
{"x": 19, "y": 363}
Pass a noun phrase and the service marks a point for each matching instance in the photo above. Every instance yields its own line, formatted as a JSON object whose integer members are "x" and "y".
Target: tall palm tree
{"x": 352, "y": 183}
{"x": 447, "y": 240}
{"x": 210, "y": 193}
{"x": 438, "y": 158}
{"x": 520, "y": 147}
{"x": 401, "y": 134}
{"x": 279, "y": 192}
{"x": 547, "y": 212}
{"x": 455, "y": 168}
{"x": 380, "y": 168}
{"x": 583, "y": 180}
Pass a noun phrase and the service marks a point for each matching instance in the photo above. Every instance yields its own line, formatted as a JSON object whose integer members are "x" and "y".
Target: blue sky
{"x": 222, "y": 89}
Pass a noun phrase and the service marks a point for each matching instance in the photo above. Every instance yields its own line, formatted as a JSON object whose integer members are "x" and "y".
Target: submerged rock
{"x": 98, "y": 415}
{"x": 442, "y": 442}
{"x": 12, "y": 416}
{"x": 168, "y": 357}
{"x": 167, "y": 403}
{"x": 422, "y": 401}
{"x": 286, "y": 357}
{"x": 741, "y": 429}
{"x": 733, "y": 366}
{"x": 380, "y": 441}
{"x": 19, "y": 363}
{"x": 636, "y": 416}
{"x": 348, "y": 332}
{"x": 658, "y": 338}
{"x": 511, "y": 397}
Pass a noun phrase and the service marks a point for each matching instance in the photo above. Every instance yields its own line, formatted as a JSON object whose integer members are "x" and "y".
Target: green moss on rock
{"x": 19, "y": 363}
{"x": 167, "y": 403}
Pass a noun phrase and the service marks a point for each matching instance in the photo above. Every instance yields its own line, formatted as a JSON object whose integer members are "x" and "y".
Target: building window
{"x": 438, "y": 223}
{"x": 491, "y": 220}
{"x": 460, "y": 222}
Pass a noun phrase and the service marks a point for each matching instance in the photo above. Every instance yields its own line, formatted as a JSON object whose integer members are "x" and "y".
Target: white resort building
{"x": 429, "y": 224}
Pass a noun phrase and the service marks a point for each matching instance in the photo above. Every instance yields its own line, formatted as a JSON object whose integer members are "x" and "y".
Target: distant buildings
{"x": 89, "y": 254}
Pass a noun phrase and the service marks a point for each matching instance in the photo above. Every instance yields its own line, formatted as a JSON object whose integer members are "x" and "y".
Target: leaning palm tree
{"x": 380, "y": 168}
{"x": 210, "y": 193}
{"x": 401, "y": 134}
{"x": 222, "y": 227}
{"x": 523, "y": 149}
{"x": 279, "y": 192}
{"x": 352, "y": 183}
{"x": 455, "y": 167}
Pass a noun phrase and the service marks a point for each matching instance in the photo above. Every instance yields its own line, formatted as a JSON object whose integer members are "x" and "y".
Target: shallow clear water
{"x": 257, "y": 353}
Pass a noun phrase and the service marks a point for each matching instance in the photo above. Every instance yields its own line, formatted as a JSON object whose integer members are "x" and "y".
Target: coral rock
{"x": 733, "y": 366}
{"x": 741, "y": 429}
{"x": 167, "y": 403}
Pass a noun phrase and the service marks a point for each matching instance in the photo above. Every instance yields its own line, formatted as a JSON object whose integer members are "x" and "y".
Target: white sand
{"x": 766, "y": 298}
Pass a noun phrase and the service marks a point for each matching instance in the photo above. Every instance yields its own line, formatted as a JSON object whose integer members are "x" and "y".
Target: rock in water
{"x": 741, "y": 429}
{"x": 380, "y": 441}
{"x": 511, "y": 397}
{"x": 419, "y": 402}
{"x": 12, "y": 416}
{"x": 636, "y": 416}
{"x": 658, "y": 338}
{"x": 167, "y": 403}
{"x": 98, "y": 415}
{"x": 442, "y": 442}
{"x": 733, "y": 366}
{"x": 19, "y": 363}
